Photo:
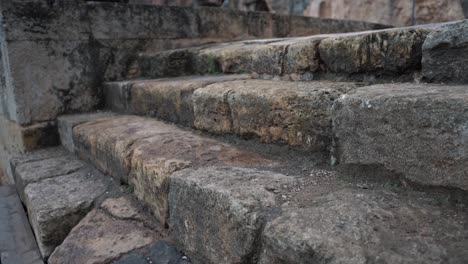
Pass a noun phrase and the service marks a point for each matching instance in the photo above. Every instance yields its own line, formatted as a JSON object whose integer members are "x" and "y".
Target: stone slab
{"x": 66, "y": 123}
{"x": 386, "y": 52}
{"x": 145, "y": 153}
{"x": 36, "y": 171}
{"x": 418, "y": 131}
{"x": 216, "y": 214}
{"x": 294, "y": 113}
{"x": 56, "y": 205}
{"x": 367, "y": 226}
{"x": 168, "y": 99}
{"x": 17, "y": 242}
{"x": 445, "y": 54}
{"x": 118, "y": 227}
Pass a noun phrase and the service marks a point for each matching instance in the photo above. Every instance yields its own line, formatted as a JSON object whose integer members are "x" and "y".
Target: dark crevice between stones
{"x": 283, "y": 60}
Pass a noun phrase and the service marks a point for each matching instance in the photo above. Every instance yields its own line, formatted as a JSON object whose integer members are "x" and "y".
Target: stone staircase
{"x": 323, "y": 149}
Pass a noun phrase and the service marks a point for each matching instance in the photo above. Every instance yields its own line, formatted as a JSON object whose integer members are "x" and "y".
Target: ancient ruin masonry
{"x": 144, "y": 134}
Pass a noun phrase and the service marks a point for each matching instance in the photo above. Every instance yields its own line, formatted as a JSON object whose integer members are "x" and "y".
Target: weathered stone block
{"x": 445, "y": 54}
{"x": 155, "y": 159}
{"x": 146, "y": 152}
{"x": 295, "y": 113}
{"x": 366, "y": 226}
{"x": 53, "y": 77}
{"x": 302, "y": 56}
{"x": 66, "y": 123}
{"x": 35, "y": 171}
{"x": 107, "y": 142}
{"x": 106, "y": 233}
{"x": 216, "y": 214}
{"x": 57, "y": 204}
{"x": 382, "y": 52}
{"x": 419, "y": 131}
{"x": 167, "y": 99}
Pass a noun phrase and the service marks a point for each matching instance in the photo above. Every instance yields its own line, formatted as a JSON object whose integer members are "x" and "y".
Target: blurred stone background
{"x": 391, "y": 12}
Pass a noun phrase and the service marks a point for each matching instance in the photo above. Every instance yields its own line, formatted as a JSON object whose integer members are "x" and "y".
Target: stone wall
{"x": 56, "y": 54}
{"x": 391, "y": 12}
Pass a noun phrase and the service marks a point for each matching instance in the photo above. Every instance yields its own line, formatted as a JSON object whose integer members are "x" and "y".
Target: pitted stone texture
{"x": 66, "y": 123}
{"x": 419, "y": 131}
{"x": 146, "y": 152}
{"x": 268, "y": 56}
{"x": 17, "y": 242}
{"x": 57, "y": 204}
{"x": 367, "y": 226}
{"x": 295, "y": 113}
{"x": 445, "y": 54}
{"x": 168, "y": 99}
{"x": 302, "y": 56}
{"x": 107, "y": 233}
{"x": 106, "y": 142}
{"x": 381, "y": 52}
{"x": 35, "y": 171}
{"x": 216, "y": 214}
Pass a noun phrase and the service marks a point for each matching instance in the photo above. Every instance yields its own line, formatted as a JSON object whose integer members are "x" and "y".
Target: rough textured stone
{"x": 160, "y": 252}
{"x": 146, "y": 152}
{"x": 35, "y": 171}
{"x": 302, "y": 56}
{"x": 57, "y": 204}
{"x": 17, "y": 242}
{"x": 66, "y": 123}
{"x": 419, "y": 131}
{"x": 217, "y": 213}
{"x": 107, "y": 142}
{"x": 168, "y": 99}
{"x": 296, "y": 113}
{"x": 381, "y": 52}
{"x": 445, "y": 52}
{"x": 367, "y": 226}
{"x": 106, "y": 233}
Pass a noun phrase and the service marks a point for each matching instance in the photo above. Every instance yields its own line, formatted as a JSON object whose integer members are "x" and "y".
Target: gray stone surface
{"x": 169, "y": 99}
{"x": 17, "y": 242}
{"x": 35, "y": 171}
{"x": 294, "y": 113}
{"x": 118, "y": 227}
{"x": 216, "y": 214}
{"x": 56, "y": 205}
{"x": 445, "y": 54}
{"x": 160, "y": 252}
{"x": 66, "y": 123}
{"x": 418, "y": 131}
{"x": 367, "y": 226}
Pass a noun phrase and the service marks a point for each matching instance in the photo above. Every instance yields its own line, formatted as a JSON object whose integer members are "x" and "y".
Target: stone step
{"x": 428, "y": 120}
{"x": 238, "y": 215}
{"x": 417, "y": 131}
{"x": 17, "y": 242}
{"x": 226, "y": 203}
{"x": 119, "y": 228}
{"x": 57, "y": 190}
{"x": 391, "y": 54}
{"x": 293, "y": 113}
